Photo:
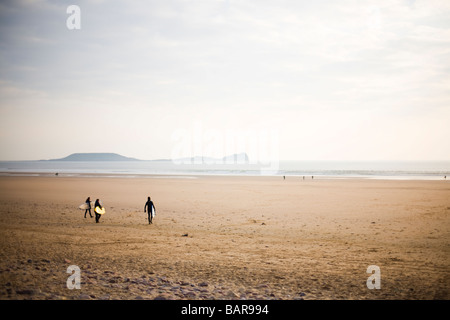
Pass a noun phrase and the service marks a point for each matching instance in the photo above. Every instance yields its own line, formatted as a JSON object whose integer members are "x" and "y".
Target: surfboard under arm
{"x": 84, "y": 206}
{"x": 100, "y": 211}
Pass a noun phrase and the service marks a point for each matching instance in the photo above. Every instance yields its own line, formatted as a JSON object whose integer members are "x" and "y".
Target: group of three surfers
{"x": 147, "y": 208}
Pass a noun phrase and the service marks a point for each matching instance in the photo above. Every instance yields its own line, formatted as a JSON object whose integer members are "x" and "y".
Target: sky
{"x": 292, "y": 80}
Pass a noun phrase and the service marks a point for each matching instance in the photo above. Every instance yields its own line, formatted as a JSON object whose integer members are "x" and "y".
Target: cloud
{"x": 231, "y": 63}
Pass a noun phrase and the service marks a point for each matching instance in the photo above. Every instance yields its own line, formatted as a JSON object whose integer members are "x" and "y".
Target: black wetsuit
{"x": 97, "y": 216}
{"x": 148, "y": 205}
{"x": 88, "y": 202}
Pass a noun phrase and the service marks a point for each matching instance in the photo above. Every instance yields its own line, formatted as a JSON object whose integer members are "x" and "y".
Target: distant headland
{"x": 234, "y": 158}
{"x": 95, "y": 157}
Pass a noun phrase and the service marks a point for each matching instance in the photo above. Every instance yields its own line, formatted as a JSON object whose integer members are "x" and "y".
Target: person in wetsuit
{"x": 88, "y": 202}
{"x": 148, "y": 205}
{"x": 97, "y": 216}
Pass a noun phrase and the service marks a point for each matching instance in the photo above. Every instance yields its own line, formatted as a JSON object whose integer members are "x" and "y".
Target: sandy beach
{"x": 224, "y": 238}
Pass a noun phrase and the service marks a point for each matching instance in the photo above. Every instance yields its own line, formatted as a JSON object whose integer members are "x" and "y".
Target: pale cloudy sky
{"x": 327, "y": 80}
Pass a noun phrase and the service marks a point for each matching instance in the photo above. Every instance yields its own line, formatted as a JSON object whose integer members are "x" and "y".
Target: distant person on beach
{"x": 97, "y": 215}
{"x": 88, "y": 203}
{"x": 148, "y": 207}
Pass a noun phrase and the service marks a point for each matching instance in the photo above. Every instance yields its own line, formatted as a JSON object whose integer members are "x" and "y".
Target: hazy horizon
{"x": 290, "y": 80}
{"x": 228, "y": 155}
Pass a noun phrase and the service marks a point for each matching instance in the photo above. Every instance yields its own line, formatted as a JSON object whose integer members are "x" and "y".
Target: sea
{"x": 399, "y": 170}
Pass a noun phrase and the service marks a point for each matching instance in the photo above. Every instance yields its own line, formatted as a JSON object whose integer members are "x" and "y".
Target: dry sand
{"x": 224, "y": 238}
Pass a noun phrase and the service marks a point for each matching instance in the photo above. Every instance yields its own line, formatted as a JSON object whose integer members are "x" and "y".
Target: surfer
{"x": 149, "y": 206}
{"x": 97, "y": 215}
{"x": 88, "y": 203}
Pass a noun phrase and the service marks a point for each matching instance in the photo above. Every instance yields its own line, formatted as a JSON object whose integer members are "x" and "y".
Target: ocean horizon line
{"x": 361, "y": 169}
{"x": 250, "y": 161}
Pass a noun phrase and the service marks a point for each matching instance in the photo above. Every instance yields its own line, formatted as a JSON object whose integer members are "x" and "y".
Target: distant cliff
{"x": 239, "y": 158}
{"x": 95, "y": 157}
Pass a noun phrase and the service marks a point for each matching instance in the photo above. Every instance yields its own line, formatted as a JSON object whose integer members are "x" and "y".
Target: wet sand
{"x": 224, "y": 238}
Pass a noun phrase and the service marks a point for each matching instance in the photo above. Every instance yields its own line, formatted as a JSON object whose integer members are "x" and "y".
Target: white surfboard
{"x": 153, "y": 212}
{"x": 84, "y": 206}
